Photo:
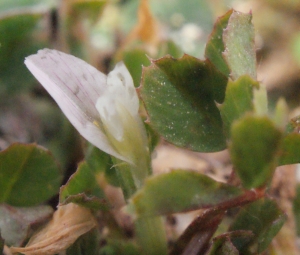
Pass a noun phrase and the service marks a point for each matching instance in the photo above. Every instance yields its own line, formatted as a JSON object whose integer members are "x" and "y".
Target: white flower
{"x": 104, "y": 109}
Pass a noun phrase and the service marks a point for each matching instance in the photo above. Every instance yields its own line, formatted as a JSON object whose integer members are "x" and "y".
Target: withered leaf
{"x": 69, "y": 222}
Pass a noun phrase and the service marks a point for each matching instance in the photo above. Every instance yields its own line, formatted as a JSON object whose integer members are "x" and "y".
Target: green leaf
{"x": 215, "y": 47}
{"x": 99, "y": 162}
{"x": 169, "y": 48}
{"x": 8, "y": 5}
{"x": 153, "y": 137}
{"x": 84, "y": 200}
{"x": 195, "y": 79}
{"x": 231, "y": 242}
{"x": 260, "y": 101}
{"x": 238, "y": 100}
{"x": 31, "y": 179}
{"x": 223, "y": 247}
{"x": 17, "y": 42}
{"x": 151, "y": 236}
{"x": 179, "y": 191}
{"x": 17, "y": 222}
{"x": 254, "y": 149}
{"x": 116, "y": 247}
{"x": 134, "y": 60}
{"x": 239, "y": 45}
{"x": 180, "y": 95}
{"x": 264, "y": 219}
{"x": 82, "y": 188}
{"x": 87, "y": 9}
{"x": 123, "y": 173}
{"x": 290, "y": 149}
{"x": 85, "y": 244}
{"x": 281, "y": 112}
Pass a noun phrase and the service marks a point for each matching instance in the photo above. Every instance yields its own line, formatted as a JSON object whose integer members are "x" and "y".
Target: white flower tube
{"x": 104, "y": 109}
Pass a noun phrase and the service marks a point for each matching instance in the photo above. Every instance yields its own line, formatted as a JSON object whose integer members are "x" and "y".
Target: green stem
{"x": 150, "y": 231}
{"x": 125, "y": 177}
{"x": 151, "y": 235}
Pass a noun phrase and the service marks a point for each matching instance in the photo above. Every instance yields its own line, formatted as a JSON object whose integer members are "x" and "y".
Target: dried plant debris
{"x": 69, "y": 222}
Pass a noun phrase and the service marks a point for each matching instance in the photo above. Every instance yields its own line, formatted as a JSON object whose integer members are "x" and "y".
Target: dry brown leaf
{"x": 69, "y": 222}
{"x": 6, "y": 250}
{"x": 146, "y": 29}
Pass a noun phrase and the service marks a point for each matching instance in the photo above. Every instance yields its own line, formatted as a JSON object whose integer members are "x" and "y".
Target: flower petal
{"x": 75, "y": 86}
{"x": 120, "y": 85}
{"x": 120, "y": 93}
{"x": 110, "y": 116}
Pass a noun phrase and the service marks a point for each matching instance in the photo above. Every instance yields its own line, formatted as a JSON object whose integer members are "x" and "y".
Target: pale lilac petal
{"x": 120, "y": 84}
{"x": 75, "y": 86}
{"x": 110, "y": 115}
{"x": 120, "y": 94}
